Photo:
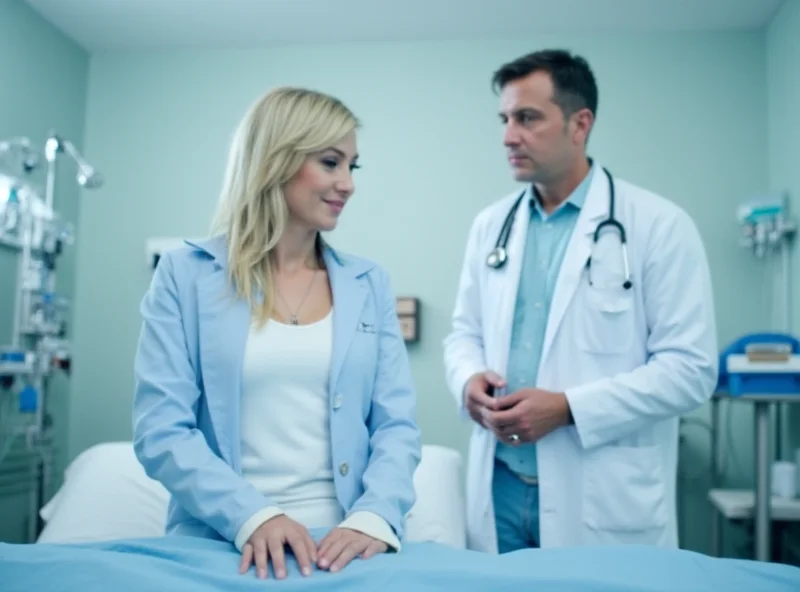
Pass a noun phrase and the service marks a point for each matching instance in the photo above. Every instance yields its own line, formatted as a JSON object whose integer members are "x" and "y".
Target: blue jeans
{"x": 516, "y": 510}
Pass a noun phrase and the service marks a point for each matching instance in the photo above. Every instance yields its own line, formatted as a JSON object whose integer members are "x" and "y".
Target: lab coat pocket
{"x": 606, "y": 325}
{"x": 624, "y": 489}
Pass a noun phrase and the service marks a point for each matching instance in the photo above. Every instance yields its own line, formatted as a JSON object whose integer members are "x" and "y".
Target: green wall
{"x": 43, "y": 85}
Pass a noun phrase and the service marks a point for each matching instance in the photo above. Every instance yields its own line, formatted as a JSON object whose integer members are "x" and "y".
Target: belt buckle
{"x": 528, "y": 480}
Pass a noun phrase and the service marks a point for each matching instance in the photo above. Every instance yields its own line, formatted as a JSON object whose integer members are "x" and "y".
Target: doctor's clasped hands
{"x": 527, "y": 415}
{"x": 523, "y": 416}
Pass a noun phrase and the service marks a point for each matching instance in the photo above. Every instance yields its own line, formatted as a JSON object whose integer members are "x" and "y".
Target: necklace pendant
{"x": 293, "y": 320}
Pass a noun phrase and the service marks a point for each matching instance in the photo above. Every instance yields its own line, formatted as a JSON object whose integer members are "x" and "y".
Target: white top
{"x": 285, "y": 430}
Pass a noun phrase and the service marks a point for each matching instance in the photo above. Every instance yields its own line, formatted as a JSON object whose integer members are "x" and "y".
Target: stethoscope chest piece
{"x": 497, "y": 258}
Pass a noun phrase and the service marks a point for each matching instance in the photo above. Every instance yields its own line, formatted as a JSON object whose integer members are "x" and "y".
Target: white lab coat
{"x": 630, "y": 362}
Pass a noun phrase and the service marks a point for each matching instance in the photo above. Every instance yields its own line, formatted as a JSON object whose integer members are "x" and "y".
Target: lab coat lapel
{"x": 594, "y": 210}
{"x": 504, "y": 283}
{"x": 223, "y": 327}
{"x": 349, "y": 290}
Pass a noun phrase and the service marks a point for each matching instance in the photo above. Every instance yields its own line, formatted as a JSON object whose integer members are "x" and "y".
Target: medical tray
{"x": 760, "y": 363}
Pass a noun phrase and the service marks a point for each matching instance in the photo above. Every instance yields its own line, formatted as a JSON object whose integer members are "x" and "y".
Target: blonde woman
{"x": 273, "y": 390}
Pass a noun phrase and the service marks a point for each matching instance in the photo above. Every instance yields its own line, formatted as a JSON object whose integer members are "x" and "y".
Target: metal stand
{"x": 763, "y": 520}
{"x": 768, "y": 227}
{"x": 761, "y": 509}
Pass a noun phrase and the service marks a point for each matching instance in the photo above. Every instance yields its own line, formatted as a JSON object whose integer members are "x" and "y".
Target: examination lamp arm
{"x": 87, "y": 176}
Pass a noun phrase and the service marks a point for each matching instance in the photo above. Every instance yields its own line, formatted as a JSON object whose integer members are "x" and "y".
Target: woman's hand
{"x": 342, "y": 545}
{"x": 268, "y": 541}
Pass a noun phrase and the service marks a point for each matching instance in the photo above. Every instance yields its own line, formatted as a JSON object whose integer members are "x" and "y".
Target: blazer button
{"x": 343, "y": 468}
{"x": 337, "y": 401}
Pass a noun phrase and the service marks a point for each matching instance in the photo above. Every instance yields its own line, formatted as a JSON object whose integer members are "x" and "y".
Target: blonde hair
{"x": 279, "y": 131}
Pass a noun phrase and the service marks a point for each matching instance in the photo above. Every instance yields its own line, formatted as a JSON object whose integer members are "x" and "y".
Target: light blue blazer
{"x": 188, "y": 371}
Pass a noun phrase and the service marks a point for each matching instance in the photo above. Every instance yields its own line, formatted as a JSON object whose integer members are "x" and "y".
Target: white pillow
{"x": 106, "y": 495}
{"x": 439, "y": 513}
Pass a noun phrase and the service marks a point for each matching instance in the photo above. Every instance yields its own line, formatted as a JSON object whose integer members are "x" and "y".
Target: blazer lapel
{"x": 223, "y": 324}
{"x": 349, "y": 289}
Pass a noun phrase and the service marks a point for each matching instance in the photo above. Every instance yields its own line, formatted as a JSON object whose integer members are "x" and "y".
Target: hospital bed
{"x": 103, "y": 531}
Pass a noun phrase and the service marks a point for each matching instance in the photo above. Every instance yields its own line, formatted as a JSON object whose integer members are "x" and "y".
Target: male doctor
{"x": 574, "y": 355}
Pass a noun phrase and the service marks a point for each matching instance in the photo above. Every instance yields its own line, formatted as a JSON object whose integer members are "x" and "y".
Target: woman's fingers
{"x": 276, "y": 553}
{"x": 260, "y": 556}
{"x": 298, "y": 545}
{"x": 247, "y": 558}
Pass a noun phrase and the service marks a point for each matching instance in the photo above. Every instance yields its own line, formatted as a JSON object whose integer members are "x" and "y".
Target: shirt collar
{"x": 576, "y": 199}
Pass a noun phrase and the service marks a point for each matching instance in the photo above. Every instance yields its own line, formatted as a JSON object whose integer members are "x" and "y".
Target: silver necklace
{"x": 293, "y": 315}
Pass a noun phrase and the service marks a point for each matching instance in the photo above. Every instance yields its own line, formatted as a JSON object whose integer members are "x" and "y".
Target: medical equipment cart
{"x": 762, "y": 370}
{"x": 758, "y": 504}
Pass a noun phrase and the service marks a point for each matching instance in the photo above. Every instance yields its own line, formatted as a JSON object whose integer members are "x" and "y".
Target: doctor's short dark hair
{"x": 573, "y": 81}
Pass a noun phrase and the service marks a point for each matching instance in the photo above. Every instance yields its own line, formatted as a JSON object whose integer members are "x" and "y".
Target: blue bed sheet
{"x": 200, "y": 565}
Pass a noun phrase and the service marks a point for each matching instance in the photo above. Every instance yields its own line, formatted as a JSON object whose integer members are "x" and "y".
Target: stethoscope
{"x": 498, "y": 256}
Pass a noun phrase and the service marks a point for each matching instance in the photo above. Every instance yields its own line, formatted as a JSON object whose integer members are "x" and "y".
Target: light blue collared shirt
{"x": 546, "y": 243}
